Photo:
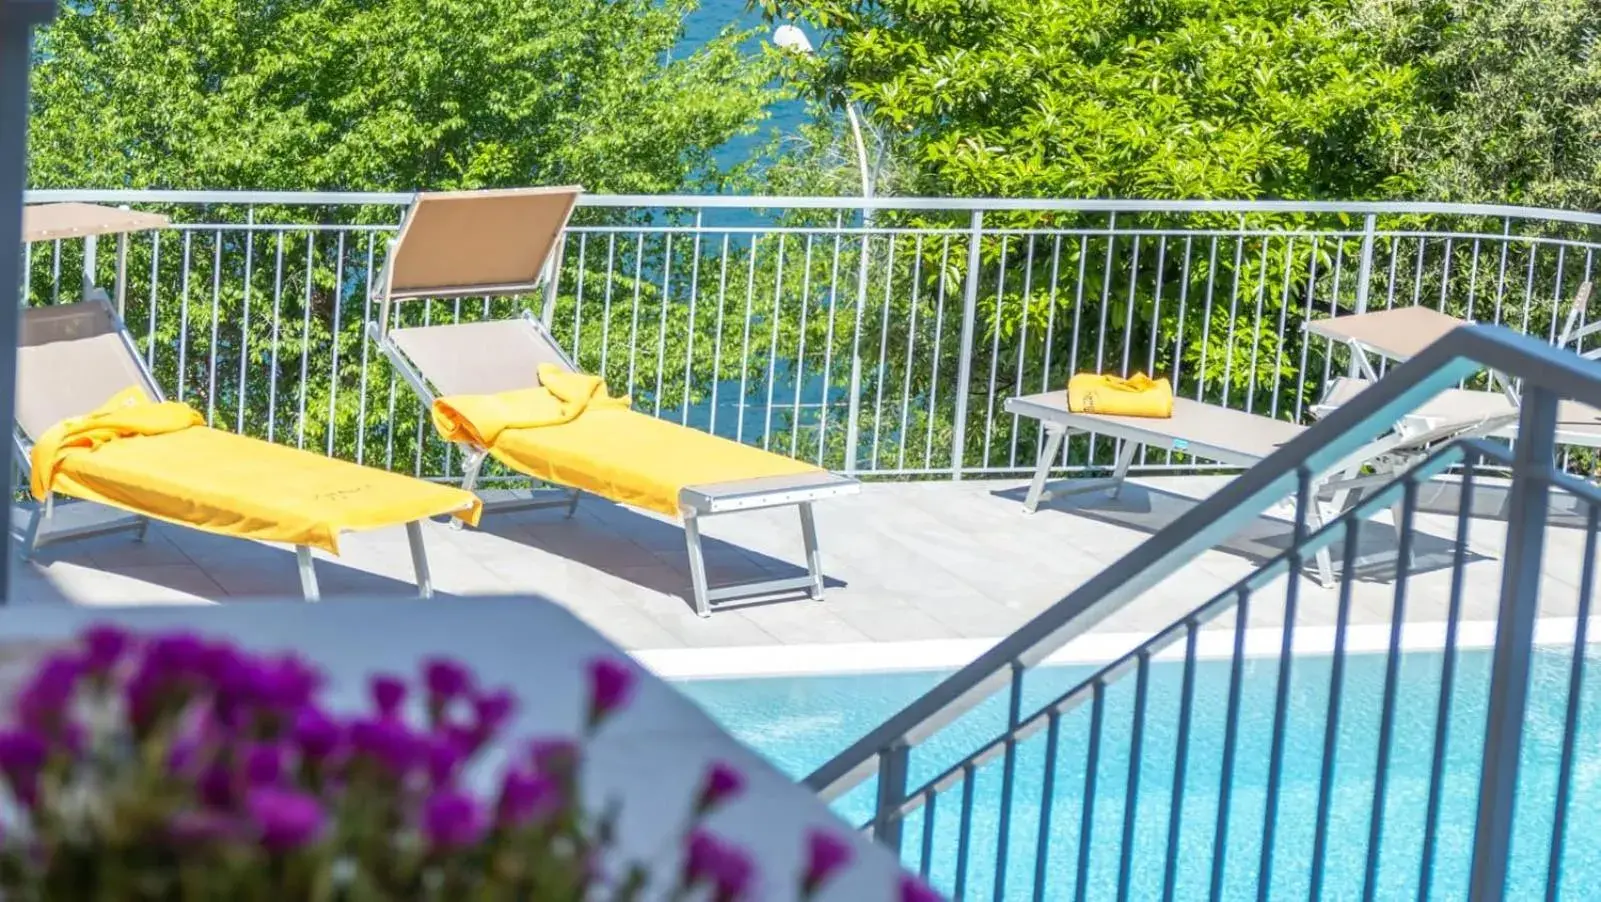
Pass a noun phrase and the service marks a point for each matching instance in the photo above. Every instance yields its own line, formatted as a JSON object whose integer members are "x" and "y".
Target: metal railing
{"x": 884, "y": 349}
{"x": 1153, "y": 824}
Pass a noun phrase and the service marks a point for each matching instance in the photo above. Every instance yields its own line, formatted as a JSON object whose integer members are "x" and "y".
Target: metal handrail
{"x": 1326, "y": 443}
{"x": 760, "y": 202}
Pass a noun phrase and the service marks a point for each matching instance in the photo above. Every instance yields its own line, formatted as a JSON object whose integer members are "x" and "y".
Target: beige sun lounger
{"x": 503, "y": 242}
{"x": 72, "y": 358}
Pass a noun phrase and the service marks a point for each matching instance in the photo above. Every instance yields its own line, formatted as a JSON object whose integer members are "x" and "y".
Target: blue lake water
{"x": 799, "y": 723}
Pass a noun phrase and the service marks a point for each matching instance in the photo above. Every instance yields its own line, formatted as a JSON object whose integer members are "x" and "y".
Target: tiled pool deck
{"x": 905, "y": 562}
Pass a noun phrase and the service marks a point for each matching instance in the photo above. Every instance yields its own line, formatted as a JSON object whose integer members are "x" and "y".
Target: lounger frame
{"x": 695, "y": 502}
{"x": 49, "y": 521}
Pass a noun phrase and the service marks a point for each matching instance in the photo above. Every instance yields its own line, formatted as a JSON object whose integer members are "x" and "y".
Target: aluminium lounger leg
{"x": 419, "y": 559}
{"x": 144, "y": 527}
{"x": 572, "y": 504}
{"x": 30, "y": 536}
{"x": 814, "y": 557}
{"x": 1125, "y": 459}
{"x": 697, "y": 565}
{"x": 1314, "y": 522}
{"x": 308, "y": 576}
{"x": 1042, "y": 468}
{"x": 472, "y": 461}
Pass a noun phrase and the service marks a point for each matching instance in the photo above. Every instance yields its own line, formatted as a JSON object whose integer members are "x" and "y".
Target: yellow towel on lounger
{"x": 1137, "y": 396}
{"x": 561, "y": 397}
{"x": 157, "y": 460}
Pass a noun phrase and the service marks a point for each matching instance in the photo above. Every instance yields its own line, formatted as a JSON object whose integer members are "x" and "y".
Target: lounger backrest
{"x": 477, "y": 242}
{"x": 479, "y": 358}
{"x": 71, "y": 358}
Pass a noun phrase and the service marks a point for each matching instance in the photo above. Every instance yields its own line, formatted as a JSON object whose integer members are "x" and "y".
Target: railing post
{"x": 1532, "y": 464}
{"x": 1364, "y": 274}
{"x": 91, "y": 245}
{"x": 964, "y": 352}
{"x": 893, "y": 764}
{"x": 553, "y": 280}
{"x": 854, "y": 403}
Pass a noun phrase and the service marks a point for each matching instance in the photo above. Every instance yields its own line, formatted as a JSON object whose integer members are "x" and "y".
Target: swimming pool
{"x": 798, "y": 723}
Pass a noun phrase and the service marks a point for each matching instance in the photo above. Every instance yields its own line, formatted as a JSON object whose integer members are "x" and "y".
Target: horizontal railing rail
{"x": 878, "y": 338}
{"x": 964, "y": 849}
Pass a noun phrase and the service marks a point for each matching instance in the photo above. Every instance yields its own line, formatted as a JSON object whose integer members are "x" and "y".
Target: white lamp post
{"x": 791, "y": 37}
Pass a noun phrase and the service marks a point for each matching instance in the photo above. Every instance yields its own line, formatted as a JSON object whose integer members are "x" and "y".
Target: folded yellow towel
{"x": 130, "y": 412}
{"x": 1137, "y": 396}
{"x": 561, "y": 397}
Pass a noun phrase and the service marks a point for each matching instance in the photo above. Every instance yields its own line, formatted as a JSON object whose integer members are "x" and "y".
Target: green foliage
{"x": 1091, "y": 98}
{"x": 392, "y": 95}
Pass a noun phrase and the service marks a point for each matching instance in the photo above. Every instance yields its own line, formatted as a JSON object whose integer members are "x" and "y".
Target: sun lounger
{"x": 475, "y": 244}
{"x": 73, "y": 358}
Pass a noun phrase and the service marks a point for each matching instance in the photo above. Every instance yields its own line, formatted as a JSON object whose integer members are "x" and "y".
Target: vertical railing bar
{"x": 1528, "y": 287}
{"x": 911, "y": 338}
{"x": 1234, "y": 313}
{"x": 1078, "y": 308}
{"x": 1417, "y": 276}
{"x": 455, "y": 319}
{"x": 1092, "y": 762}
{"x": 366, "y": 317}
{"x": 1442, "y": 715}
{"x": 995, "y": 349}
{"x": 1331, "y": 721}
{"x": 1131, "y": 794}
{"x": 1106, "y": 298}
{"x": 1305, "y": 496}
{"x": 965, "y": 831}
{"x": 1284, "y": 322}
{"x": 1178, "y": 333}
{"x": 1334, "y": 307}
{"x": 1570, "y": 725}
{"x": 1256, "y": 332}
{"x": 744, "y": 354}
{"x": 305, "y": 341}
{"x": 1156, "y": 323}
{"x": 633, "y": 325}
{"x": 964, "y": 352}
{"x": 1395, "y": 256}
{"x": 1022, "y": 337}
{"x": 389, "y": 422}
{"x": 55, "y": 269}
{"x": 216, "y": 316}
{"x": 1206, "y": 317}
{"x": 694, "y": 298}
{"x": 1500, "y": 279}
{"x": 1473, "y": 286}
{"x": 1392, "y": 676}
{"x": 27, "y": 280}
{"x": 772, "y": 344}
{"x": 422, "y": 414}
{"x": 828, "y": 335}
{"x": 1003, "y": 835}
{"x": 1181, "y": 758}
{"x": 1133, "y": 297}
{"x": 853, "y": 403}
{"x": 1042, "y": 843}
{"x": 333, "y": 366}
{"x": 924, "y": 862}
{"x": 155, "y": 282}
{"x": 799, "y": 374}
{"x": 883, "y": 347}
{"x": 1445, "y": 275}
{"x": 578, "y": 304}
{"x": 661, "y": 323}
{"x": 606, "y": 305}
{"x": 933, "y": 364}
{"x": 1556, "y": 293}
{"x": 183, "y": 312}
{"x": 717, "y": 341}
{"x": 277, "y": 317}
{"x": 1231, "y": 733}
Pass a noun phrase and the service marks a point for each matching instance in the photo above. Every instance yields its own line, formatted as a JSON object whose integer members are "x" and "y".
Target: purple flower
{"x": 22, "y": 753}
{"x": 445, "y": 756}
{"x": 103, "y": 646}
{"x": 722, "y": 783}
{"x": 187, "y": 827}
{"x": 611, "y": 684}
{"x": 452, "y": 819}
{"x": 554, "y": 757}
{"x": 389, "y": 742}
{"x": 388, "y": 694}
{"x": 215, "y": 786}
{"x": 44, "y": 701}
{"x": 527, "y": 798}
{"x": 314, "y": 732}
{"x": 181, "y": 757}
{"x": 915, "y": 890}
{"x": 177, "y": 654}
{"x": 492, "y": 709}
{"x": 446, "y": 679}
{"x": 826, "y": 854}
{"x": 700, "y": 859}
{"x": 726, "y": 867}
{"x": 469, "y": 739}
{"x": 284, "y": 819}
{"x": 264, "y": 764}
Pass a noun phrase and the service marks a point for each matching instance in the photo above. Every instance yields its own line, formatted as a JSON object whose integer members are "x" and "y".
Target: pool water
{"x": 799, "y": 723}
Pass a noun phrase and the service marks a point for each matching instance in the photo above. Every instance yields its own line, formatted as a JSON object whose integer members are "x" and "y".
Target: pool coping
{"x": 847, "y": 658}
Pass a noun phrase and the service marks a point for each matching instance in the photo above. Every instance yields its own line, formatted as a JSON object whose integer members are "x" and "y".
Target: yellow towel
{"x": 1137, "y": 396}
{"x": 561, "y": 397}
{"x": 130, "y": 412}
{"x": 159, "y": 461}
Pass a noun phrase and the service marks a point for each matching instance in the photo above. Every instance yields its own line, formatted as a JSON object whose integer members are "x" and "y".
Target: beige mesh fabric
{"x": 1399, "y": 334}
{"x": 47, "y": 222}
{"x": 70, "y": 360}
{"x": 478, "y": 358}
{"x": 465, "y": 242}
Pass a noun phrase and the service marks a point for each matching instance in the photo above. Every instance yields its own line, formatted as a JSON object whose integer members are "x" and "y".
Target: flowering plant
{"x": 173, "y": 767}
